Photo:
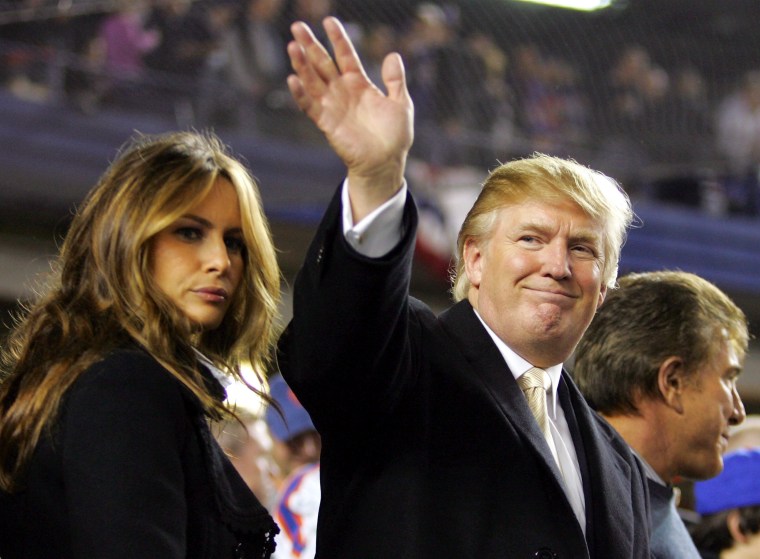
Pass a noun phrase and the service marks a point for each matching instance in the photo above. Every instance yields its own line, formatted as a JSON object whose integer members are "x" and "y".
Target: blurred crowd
{"x": 223, "y": 63}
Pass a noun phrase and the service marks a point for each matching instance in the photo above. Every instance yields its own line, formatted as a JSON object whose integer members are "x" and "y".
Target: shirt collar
{"x": 219, "y": 375}
{"x": 649, "y": 470}
{"x": 518, "y": 366}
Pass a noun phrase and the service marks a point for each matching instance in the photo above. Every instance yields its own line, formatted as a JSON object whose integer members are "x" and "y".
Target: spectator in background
{"x": 424, "y": 46}
{"x": 619, "y": 117}
{"x": 557, "y": 117}
{"x": 678, "y": 123}
{"x": 660, "y": 363}
{"x": 126, "y": 40}
{"x": 495, "y": 110}
{"x": 628, "y": 78}
{"x": 482, "y": 111}
{"x": 255, "y": 64}
{"x": 527, "y": 79}
{"x": 552, "y": 106}
{"x": 730, "y": 509}
{"x": 297, "y": 447}
{"x": 247, "y": 443}
{"x": 213, "y": 101}
{"x": 121, "y": 45}
{"x": 655, "y": 88}
{"x": 738, "y": 142}
{"x": 186, "y": 39}
{"x": 691, "y": 113}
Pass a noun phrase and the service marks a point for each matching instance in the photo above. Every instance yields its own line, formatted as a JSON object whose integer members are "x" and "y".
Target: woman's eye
{"x": 189, "y": 233}
{"x": 234, "y": 244}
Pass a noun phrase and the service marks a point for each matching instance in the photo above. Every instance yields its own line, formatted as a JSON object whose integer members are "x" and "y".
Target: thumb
{"x": 394, "y": 77}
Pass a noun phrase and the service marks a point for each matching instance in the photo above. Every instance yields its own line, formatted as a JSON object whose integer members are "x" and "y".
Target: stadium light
{"x": 582, "y": 5}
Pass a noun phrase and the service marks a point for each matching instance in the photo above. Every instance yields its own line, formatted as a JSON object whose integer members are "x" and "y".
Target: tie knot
{"x": 535, "y": 378}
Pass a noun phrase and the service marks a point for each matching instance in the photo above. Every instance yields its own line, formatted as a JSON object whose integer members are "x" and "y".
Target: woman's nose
{"x": 216, "y": 255}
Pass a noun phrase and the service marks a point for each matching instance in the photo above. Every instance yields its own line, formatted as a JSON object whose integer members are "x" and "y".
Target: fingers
{"x": 299, "y": 94}
{"x": 316, "y": 73}
{"x": 315, "y": 58}
{"x": 303, "y": 73}
{"x": 345, "y": 53}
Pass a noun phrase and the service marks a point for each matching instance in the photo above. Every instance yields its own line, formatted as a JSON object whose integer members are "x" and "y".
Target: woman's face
{"x": 198, "y": 261}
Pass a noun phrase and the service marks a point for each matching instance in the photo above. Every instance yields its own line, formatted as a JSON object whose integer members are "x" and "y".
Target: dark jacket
{"x": 429, "y": 448}
{"x": 130, "y": 470}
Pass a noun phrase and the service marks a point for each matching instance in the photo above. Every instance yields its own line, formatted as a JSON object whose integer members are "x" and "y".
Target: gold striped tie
{"x": 534, "y": 384}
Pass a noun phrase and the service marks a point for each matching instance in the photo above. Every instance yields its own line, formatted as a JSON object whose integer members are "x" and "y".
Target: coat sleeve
{"x": 122, "y": 432}
{"x": 346, "y": 352}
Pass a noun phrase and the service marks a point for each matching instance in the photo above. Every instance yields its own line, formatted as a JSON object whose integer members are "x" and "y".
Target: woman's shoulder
{"x": 131, "y": 366}
{"x": 127, "y": 376}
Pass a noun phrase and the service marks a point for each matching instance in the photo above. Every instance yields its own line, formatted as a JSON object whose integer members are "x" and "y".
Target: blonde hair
{"x": 544, "y": 177}
{"x": 102, "y": 294}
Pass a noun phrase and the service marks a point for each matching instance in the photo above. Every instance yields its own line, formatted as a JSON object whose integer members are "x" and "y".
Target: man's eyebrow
{"x": 586, "y": 236}
{"x": 536, "y": 226}
{"x": 582, "y": 235}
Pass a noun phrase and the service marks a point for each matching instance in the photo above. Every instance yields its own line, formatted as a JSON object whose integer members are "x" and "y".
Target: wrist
{"x": 370, "y": 190}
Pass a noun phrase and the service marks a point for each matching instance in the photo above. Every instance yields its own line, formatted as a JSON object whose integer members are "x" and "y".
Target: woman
{"x": 166, "y": 282}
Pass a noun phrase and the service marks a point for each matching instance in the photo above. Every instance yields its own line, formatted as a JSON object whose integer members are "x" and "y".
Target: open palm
{"x": 371, "y": 131}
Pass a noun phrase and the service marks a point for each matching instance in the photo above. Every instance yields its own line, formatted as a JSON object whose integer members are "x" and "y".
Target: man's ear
{"x": 473, "y": 261}
{"x": 671, "y": 382}
{"x": 602, "y": 295}
{"x": 735, "y": 528}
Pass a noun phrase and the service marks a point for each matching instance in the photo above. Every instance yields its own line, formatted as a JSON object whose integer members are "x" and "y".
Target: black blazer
{"x": 131, "y": 470}
{"x": 429, "y": 447}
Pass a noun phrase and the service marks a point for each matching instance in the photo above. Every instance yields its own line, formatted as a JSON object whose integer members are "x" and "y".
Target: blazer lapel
{"x": 489, "y": 367}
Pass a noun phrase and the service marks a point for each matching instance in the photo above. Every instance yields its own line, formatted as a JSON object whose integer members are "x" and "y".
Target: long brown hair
{"x": 101, "y": 294}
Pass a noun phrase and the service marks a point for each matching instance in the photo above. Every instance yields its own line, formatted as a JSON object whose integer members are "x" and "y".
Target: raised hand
{"x": 371, "y": 131}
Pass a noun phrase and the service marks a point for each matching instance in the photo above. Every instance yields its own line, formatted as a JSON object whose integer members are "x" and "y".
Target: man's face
{"x": 711, "y": 403}
{"x": 537, "y": 280}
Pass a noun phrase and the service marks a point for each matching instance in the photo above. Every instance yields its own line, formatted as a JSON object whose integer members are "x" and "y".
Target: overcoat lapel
{"x": 566, "y": 401}
{"x": 489, "y": 367}
{"x": 610, "y": 491}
